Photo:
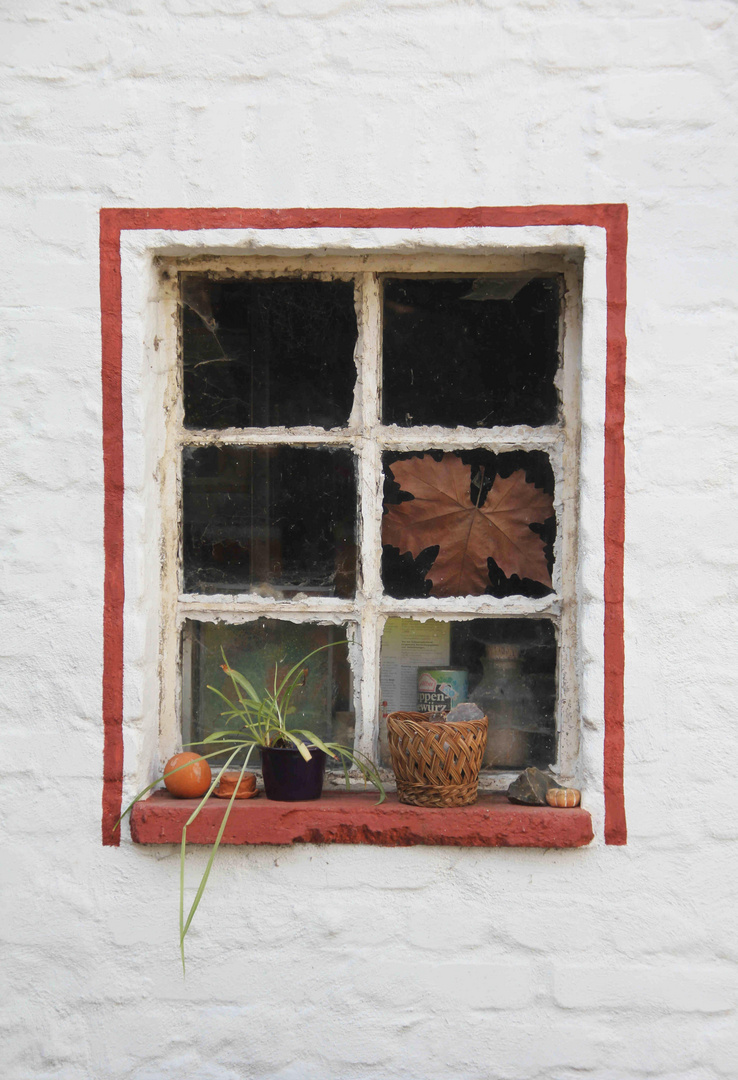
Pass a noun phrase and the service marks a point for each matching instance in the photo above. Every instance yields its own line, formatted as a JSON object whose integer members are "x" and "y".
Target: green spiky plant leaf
{"x": 259, "y": 720}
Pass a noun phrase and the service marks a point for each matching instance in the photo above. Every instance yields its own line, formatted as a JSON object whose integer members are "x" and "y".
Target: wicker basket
{"x": 435, "y": 763}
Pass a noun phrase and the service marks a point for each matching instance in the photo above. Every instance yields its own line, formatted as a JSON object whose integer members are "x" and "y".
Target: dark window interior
{"x": 471, "y": 352}
{"x": 267, "y": 352}
{"x": 270, "y": 519}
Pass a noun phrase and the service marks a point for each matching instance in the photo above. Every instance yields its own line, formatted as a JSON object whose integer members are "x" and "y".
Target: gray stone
{"x": 530, "y": 788}
{"x": 466, "y": 711}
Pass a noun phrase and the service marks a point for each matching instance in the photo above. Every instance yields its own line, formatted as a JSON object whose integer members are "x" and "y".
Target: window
{"x": 380, "y": 449}
{"x": 142, "y": 253}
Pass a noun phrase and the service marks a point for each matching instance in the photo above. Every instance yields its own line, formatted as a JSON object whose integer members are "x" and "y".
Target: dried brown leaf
{"x": 443, "y": 513}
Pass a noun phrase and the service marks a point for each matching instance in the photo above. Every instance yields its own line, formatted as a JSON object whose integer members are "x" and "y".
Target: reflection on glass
{"x": 468, "y": 523}
{"x": 275, "y": 520}
{"x": 260, "y": 352}
{"x": 508, "y": 665}
{"x": 323, "y": 704}
{"x": 472, "y": 352}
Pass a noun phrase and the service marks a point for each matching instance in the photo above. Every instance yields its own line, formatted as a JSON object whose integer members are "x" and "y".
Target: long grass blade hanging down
{"x": 263, "y": 723}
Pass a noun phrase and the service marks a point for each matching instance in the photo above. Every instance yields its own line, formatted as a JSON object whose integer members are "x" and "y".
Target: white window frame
{"x": 153, "y": 414}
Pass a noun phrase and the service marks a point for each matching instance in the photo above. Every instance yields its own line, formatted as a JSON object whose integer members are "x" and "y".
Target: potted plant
{"x": 293, "y": 759}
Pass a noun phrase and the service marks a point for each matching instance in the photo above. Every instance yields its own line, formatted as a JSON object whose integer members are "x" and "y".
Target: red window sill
{"x": 355, "y": 818}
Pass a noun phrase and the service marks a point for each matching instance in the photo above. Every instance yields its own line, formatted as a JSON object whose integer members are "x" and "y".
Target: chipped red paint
{"x": 614, "y": 630}
{"x": 356, "y": 818}
{"x": 112, "y": 423}
{"x": 612, "y": 217}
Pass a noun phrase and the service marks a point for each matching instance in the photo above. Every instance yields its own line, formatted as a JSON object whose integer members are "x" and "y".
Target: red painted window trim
{"x": 613, "y": 217}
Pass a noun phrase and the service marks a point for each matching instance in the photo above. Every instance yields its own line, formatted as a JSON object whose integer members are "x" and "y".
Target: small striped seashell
{"x": 563, "y": 796}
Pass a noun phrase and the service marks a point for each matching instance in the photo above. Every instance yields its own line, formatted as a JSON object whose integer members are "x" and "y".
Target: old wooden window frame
{"x": 368, "y": 438}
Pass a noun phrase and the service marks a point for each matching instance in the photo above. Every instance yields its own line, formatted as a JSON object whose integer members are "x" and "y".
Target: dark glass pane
{"x": 506, "y": 666}
{"x": 322, "y": 705}
{"x": 468, "y": 523}
{"x": 267, "y": 352}
{"x": 270, "y": 519}
{"x": 471, "y": 352}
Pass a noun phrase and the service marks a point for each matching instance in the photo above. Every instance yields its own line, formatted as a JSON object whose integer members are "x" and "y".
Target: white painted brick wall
{"x": 351, "y": 963}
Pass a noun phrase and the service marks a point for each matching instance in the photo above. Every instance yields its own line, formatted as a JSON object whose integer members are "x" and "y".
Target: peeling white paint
{"x": 367, "y": 437}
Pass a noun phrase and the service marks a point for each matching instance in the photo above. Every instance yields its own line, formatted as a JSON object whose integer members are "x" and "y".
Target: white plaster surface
{"x": 345, "y": 963}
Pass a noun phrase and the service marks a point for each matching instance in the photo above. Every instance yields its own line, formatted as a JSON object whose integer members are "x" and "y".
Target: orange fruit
{"x": 190, "y": 782}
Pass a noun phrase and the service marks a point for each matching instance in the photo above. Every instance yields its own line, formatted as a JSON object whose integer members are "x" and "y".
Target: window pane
{"x": 322, "y": 705}
{"x": 506, "y": 666}
{"x": 267, "y": 352}
{"x": 271, "y": 519}
{"x": 472, "y": 352}
{"x": 468, "y": 524}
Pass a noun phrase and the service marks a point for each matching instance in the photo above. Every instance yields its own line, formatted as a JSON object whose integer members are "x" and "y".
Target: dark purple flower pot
{"x": 288, "y": 777}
